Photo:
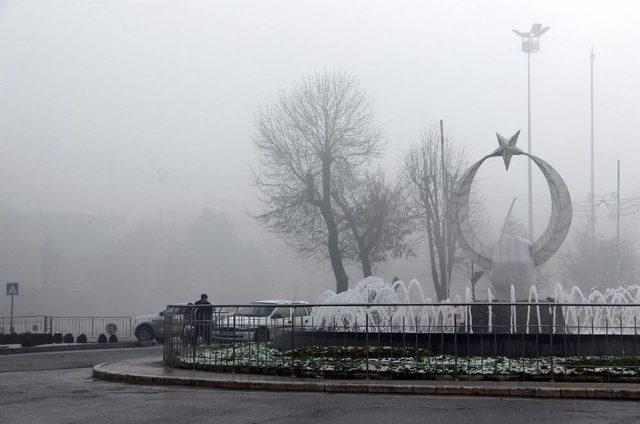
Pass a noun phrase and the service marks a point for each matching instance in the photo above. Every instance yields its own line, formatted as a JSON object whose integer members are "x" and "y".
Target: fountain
{"x": 376, "y": 291}
{"x": 513, "y": 315}
{"x": 511, "y": 265}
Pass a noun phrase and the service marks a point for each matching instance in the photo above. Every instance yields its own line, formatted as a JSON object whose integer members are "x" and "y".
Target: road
{"x": 58, "y": 388}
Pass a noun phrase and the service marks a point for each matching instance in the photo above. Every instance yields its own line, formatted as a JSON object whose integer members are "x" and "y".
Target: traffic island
{"x": 152, "y": 371}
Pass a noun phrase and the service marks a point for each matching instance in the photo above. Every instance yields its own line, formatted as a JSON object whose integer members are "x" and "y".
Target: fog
{"x": 126, "y": 130}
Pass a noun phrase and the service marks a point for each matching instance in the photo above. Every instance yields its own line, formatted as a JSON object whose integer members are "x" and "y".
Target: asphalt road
{"x": 58, "y": 388}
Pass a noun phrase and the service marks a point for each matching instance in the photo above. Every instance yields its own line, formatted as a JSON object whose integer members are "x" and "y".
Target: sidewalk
{"x": 151, "y": 371}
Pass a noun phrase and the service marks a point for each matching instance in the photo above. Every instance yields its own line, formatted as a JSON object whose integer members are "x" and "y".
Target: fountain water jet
{"x": 376, "y": 291}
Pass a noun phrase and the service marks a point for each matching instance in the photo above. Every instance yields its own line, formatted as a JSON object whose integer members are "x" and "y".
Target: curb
{"x": 329, "y": 386}
{"x": 67, "y": 348}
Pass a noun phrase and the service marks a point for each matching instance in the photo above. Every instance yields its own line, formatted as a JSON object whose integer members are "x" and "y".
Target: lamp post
{"x": 530, "y": 44}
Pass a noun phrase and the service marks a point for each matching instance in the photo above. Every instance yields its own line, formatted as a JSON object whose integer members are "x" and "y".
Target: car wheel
{"x": 144, "y": 333}
{"x": 261, "y": 335}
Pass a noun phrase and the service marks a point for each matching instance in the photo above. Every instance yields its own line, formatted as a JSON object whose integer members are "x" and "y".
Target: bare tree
{"x": 430, "y": 193}
{"x": 377, "y": 224}
{"x": 319, "y": 132}
{"x": 589, "y": 262}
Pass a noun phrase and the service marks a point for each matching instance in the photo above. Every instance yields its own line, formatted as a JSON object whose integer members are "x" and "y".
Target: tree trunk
{"x": 442, "y": 292}
{"x": 366, "y": 265}
{"x": 443, "y": 267}
{"x": 342, "y": 280}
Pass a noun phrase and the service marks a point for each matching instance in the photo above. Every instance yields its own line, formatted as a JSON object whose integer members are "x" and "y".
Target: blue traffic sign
{"x": 13, "y": 289}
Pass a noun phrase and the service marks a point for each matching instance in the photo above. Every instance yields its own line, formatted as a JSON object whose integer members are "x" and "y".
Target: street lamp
{"x": 530, "y": 44}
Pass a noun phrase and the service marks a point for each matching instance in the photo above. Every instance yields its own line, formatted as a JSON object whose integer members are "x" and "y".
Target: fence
{"x": 92, "y": 327}
{"x": 469, "y": 340}
{"x": 24, "y": 324}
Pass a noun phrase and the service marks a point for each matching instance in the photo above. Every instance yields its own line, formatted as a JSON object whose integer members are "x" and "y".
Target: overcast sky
{"x": 97, "y": 96}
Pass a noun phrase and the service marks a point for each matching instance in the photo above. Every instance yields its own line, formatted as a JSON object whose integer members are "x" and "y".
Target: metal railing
{"x": 460, "y": 340}
{"x": 24, "y": 324}
{"x": 92, "y": 327}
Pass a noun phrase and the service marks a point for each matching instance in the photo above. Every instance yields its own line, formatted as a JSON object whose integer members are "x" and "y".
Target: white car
{"x": 151, "y": 326}
{"x": 258, "y": 321}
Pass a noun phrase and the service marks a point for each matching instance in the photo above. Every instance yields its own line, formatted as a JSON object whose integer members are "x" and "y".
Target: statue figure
{"x": 514, "y": 259}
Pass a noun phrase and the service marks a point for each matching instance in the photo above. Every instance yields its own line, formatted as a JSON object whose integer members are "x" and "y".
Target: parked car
{"x": 152, "y": 326}
{"x": 256, "y": 322}
{"x": 149, "y": 327}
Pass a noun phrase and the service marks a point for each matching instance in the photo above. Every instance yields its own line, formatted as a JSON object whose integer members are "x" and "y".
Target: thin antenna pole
{"x": 529, "y": 144}
{"x": 506, "y": 218}
{"x": 592, "y": 201}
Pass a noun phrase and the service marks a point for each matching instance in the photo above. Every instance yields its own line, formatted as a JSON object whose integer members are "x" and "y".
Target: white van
{"x": 257, "y": 321}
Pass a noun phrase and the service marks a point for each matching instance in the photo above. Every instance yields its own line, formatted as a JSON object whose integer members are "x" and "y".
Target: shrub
{"x": 2, "y": 339}
{"x": 113, "y": 338}
{"x": 12, "y": 338}
{"x": 43, "y": 338}
{"x": 102, "y": 338}
{"x": 82, "y": 338}
{"x": 68, "y": 338}
{"x": 27, "y": 340}
{"x": 57, "y": 338}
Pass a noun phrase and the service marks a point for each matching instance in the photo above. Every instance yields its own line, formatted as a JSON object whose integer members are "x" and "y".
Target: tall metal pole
{"x": 442, "y": 160}
{"x": 11, "y": 329}
{"x": 592, "y": 201}
{"x": 618, "y": 216}
{"x": 530, "y": 43}
{"x": 529, "y": 144}
{"x": 473, "y": 283}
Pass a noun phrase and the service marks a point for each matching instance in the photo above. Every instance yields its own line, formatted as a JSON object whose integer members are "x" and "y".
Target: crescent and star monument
{"x": 514, "y": 260}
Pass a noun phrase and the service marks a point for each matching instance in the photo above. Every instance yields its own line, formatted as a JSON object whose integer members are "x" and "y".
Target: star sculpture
{"x": 507, "y": 148}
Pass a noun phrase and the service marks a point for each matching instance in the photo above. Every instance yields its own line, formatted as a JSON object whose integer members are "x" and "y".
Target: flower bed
{"x": 390, "y": 362}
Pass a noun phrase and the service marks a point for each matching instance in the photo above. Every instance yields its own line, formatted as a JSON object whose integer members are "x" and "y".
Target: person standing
{"x": 203, "y": 314}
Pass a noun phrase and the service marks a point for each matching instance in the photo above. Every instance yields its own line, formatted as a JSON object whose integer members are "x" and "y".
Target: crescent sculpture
{"x": 513, "y": 261}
